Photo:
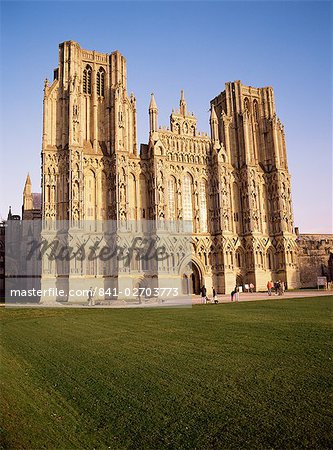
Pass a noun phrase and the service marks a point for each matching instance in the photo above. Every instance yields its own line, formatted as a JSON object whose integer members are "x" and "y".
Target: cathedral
{"x": 232, "y": 186}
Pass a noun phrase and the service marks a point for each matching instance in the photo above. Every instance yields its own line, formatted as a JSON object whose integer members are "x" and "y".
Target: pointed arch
{"x": 172, "y": 198}
{"x": 100, "y": 82}
{"x": 187, "y": 197}
{"x": 87, "y": 79}
{"x": 203, "y": 206}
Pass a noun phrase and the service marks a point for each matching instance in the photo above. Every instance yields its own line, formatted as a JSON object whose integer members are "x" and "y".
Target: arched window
{"x": 100, "y": 82}
{"x": 132, "y": 196}
{"x": 172, "y": 198}
{"x": 87, "y": 80}
{"x": 187, "y": 198}
{"x": 238, "y": 259}
{"x": 255, "y": 110}
{"x": 143, "y": 196}
{"x": 270, "y": 260}
{"x": 203, "y": 206}
{"x": 90, "y": 195}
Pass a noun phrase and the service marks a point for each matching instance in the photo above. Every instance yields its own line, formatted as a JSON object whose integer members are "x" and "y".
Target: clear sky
{"x": 169, "y": 46}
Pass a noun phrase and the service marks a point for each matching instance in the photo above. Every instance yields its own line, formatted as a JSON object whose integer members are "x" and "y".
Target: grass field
{"x": 249, "y": 375}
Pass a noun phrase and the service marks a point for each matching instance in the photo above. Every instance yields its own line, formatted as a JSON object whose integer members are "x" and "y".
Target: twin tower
{"x": 233, "y": 185}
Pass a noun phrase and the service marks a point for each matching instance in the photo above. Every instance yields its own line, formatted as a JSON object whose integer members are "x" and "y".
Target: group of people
{"x": 278, "y": 287}
{"x": 204, "y": 297}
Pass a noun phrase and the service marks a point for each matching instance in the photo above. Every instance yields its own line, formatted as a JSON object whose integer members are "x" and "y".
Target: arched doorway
{"x": 191, "y": 278}
{"x": 196, "y": 279}
{"x": 239, "y": 279}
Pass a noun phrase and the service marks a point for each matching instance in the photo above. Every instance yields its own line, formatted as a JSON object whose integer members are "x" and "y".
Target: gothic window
{"x": 172, "y": 198}
{"x": 203, "y": 206}
{"x": 91, "y": 264}
{"x": 143, "y": 195}
{"x": 100, "y": 82}
{"x": 256, "y": 110}
{"x": 90, "y": 194}
{"x": 269, "y": 260}
{"x": 187, "y": 198}
{"x": 132, "y": 196}
{"x": 238, "y": 260}
{"x": 246, "y": 104}
{"x": 87, "y": 80}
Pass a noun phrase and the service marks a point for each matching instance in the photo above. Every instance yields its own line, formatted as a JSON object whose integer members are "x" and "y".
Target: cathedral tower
{"x": 89, "y": 120}
{"x": 253, "y": 140}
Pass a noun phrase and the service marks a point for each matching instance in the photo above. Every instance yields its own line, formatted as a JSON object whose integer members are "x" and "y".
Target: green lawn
{"x": 248, "y": 375}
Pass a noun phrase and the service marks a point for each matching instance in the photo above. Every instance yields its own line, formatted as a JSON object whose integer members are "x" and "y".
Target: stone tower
{"x": 27, "y": 195}
{"x": 89, "y": 129}
{"x": 253, "y": 166}
{"x": 31, "y": 206}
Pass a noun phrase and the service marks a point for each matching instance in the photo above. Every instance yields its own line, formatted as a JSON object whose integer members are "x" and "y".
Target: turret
{"x": 214, "y": 125}
{"x": 182, "y": 104}
{"x": 27, "y": 195}
{"x": 152, "y": 114}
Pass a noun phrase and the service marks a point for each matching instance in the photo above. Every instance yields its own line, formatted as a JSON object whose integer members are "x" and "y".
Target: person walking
{"x": 90, "y": 297}
{"x": 269, "y": 287}
{"x": 282, "y": 288}
{"x": 279, "y": 287}
{"x": 215, "y": 297}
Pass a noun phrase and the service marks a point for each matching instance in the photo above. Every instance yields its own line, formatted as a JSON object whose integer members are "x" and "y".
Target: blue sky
{"x": 169, "y": 46}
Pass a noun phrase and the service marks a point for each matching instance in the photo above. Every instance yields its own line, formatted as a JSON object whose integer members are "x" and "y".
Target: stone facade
{"x": 234, "y": 185}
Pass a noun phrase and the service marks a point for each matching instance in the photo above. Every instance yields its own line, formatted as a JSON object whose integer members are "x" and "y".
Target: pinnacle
{"x": 213, "y": 115}
{"x": 152, "y": 104}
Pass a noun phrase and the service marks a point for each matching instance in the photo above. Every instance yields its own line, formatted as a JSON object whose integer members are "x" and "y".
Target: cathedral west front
{"x": 232, "y": 186}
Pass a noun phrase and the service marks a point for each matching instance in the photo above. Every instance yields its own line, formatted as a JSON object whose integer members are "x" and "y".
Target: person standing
{"x": 204, "y": 294}
{"x": 214, "y": 296}
{"x": 236, "y": 293}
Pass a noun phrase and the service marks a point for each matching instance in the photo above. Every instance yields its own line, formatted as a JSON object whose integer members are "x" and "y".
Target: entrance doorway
{"x": 191, "y": 279}
{"x": 196, "y": 279}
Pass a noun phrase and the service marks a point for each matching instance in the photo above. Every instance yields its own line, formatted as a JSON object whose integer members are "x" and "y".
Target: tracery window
{"x": 203, "y": 206}
{"x": 87, "y": 80}
{"x": 171, "y": 199}
{"x": 100, "y": 82}
{"x": 255, "y": 110}
{"x": 187, "y": 198}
